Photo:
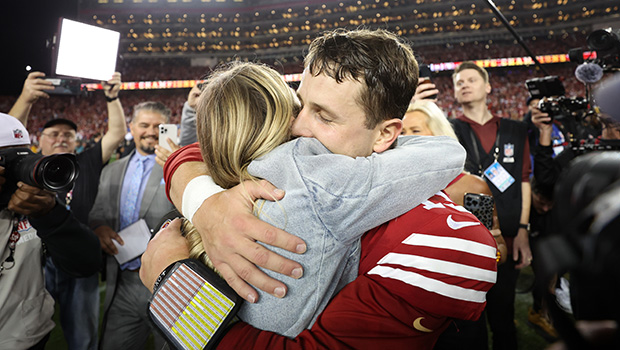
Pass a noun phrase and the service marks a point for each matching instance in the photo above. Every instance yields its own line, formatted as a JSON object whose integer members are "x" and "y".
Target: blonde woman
{"x": 243, "y": 125}
{"x": 425, "y": 118}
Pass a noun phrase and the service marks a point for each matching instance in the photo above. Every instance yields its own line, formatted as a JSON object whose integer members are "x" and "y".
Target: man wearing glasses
{"x": 78, "y": 298}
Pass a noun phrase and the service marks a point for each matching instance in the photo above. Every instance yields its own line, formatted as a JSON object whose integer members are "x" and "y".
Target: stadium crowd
{"x": 89, "y": 112}
{"x": 151, "y": 69}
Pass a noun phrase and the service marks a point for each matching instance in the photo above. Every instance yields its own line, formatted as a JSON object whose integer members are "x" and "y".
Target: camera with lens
{"x": 606, "y": 43}
{"x": 550, "y": 91}
{"x": 562, "y": 106}
{"x": 54, "y": 173}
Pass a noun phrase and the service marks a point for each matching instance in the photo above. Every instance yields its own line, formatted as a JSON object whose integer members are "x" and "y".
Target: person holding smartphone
{"x": 130, "y": 189}
{"x": 498, "y": 149}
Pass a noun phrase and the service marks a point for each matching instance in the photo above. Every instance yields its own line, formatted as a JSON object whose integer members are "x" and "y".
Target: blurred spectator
{"x": 188, "y": 117}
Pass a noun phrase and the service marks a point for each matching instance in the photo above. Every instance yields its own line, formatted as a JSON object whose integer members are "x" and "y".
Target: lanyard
{"x": 476, "y": 144}
{"x": 9, "y": 262}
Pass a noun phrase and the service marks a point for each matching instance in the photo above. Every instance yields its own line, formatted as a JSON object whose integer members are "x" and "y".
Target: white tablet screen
{"x": 86, "y": 51}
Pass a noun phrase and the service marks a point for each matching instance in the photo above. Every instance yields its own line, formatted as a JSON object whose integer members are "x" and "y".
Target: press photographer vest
{"x": 508, "y": 203}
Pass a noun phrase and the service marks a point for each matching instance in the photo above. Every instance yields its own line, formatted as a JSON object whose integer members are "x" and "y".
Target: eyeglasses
{"x": 56, "y": 135}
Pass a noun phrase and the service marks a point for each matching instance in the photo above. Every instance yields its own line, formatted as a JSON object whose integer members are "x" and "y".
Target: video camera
{"x": 550, "y": 91}
{"x": 578, "y": 114}
{"x": 54, "y": 173}
{"x": 606, "y": 44}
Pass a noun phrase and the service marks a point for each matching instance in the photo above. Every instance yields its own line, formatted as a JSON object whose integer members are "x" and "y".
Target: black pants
{"x": 501, "y": 307}
{"x": 464, "y": 335}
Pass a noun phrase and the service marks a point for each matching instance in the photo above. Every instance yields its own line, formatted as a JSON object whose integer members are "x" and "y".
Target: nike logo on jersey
{"x": 457, "y": 225}
{"x": 417, "y": 324}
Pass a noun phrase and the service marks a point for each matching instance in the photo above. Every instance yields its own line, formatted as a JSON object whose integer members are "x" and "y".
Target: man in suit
{"x": 130, "y": 189}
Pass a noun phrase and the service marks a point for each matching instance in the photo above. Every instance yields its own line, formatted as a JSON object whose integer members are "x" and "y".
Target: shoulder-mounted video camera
{"x": 54, "y": 173}
{"x": 606, "y": 44}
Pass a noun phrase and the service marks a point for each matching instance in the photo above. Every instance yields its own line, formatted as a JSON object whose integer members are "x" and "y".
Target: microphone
{"x": 589, "y": 73}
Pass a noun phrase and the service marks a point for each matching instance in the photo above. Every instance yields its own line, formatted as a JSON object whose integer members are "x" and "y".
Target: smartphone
{"x": 425, "y": 72}
{"x": 482, "y": 206}
{"x": 167, "y": 131}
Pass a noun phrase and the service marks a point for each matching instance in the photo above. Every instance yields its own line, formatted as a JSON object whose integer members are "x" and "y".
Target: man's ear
{"x": 130, "y": 125}
{"x": 388, "y": 132}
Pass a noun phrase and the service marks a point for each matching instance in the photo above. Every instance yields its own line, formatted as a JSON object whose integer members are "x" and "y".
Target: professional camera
{"x": 54, "y": 173}
{"x": 562, "y": 106}
{"x": 606, "y": 44}
{"x": 550, "y": 91}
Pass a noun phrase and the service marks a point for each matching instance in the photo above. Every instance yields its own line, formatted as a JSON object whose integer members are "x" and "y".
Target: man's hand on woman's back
{"x": 230, "y": 232}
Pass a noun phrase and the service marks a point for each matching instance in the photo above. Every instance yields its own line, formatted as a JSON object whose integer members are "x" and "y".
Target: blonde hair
{"x": 196, "y": 249}
{"x": 244, "y": 112}
{"x": 435, "y": 119}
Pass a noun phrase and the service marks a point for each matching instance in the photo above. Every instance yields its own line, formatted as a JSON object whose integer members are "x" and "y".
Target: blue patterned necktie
{"x": 129, "y": 214}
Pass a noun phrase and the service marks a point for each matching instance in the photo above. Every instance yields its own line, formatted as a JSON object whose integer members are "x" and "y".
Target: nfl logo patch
{"x": 18, "y": 134}
{"x": 509, "y": 150}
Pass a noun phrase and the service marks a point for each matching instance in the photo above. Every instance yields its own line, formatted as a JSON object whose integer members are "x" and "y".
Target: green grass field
{"x": 528, "y": 338}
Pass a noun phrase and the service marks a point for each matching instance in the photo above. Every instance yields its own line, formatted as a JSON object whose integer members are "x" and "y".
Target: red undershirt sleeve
{"x": 189, "y": 153}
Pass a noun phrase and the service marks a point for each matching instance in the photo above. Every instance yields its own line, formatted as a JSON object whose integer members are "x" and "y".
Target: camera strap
{"x": 476, "y": 145}
{"x": 9, "y": 262}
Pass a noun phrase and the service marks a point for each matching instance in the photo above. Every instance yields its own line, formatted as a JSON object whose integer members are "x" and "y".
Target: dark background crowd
{"x": 507, "y": 99}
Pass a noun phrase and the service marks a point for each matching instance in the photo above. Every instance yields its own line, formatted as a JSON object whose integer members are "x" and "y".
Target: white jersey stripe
{"x": 444, "y": 196}
{"x": 440, "y": 266}
{"x": 429, "y": 284}
{"x": 452, "y": 243}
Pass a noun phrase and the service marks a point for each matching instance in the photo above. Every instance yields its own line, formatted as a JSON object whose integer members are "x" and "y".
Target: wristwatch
{"x": 525, "y": 226}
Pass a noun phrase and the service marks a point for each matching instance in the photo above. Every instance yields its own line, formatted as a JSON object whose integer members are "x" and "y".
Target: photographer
{"x": 33, "y": 224}
{"x": 59, "y": 136}
{"x": 547, "y": 164}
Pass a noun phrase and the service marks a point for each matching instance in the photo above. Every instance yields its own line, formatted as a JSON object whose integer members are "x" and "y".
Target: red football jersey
{"x": 418, "y": 271}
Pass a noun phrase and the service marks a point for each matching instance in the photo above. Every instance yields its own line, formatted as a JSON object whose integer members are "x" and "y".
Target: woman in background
{"x": 425, "y": 118}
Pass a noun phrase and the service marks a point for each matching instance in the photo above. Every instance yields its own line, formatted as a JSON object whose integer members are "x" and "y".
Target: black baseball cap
{"x": 60, "y": 121}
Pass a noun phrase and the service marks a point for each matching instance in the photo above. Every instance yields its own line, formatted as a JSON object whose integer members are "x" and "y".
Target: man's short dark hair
{"x": 58, "y": 121}
{"x": 377, "y": 58}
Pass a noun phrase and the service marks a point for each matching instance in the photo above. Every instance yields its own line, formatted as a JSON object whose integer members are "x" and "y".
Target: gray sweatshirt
{"x": 330, "y": 201}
